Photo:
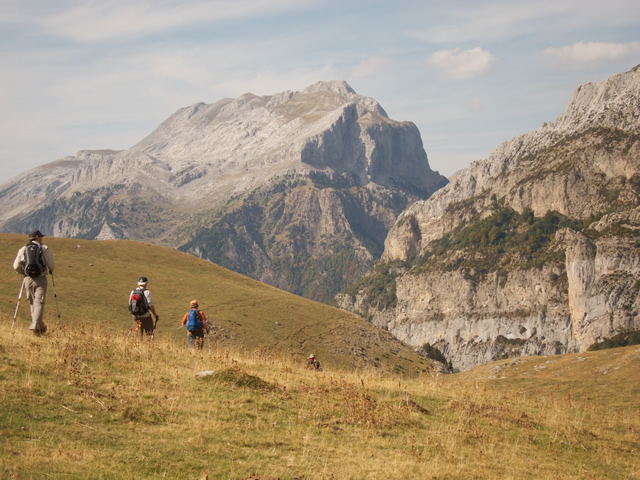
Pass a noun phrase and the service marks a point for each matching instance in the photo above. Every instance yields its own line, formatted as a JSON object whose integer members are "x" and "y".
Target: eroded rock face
{"x": 562, "y": 307}
{"x": 224, "y": 181}
{"x": 584, "y": 165}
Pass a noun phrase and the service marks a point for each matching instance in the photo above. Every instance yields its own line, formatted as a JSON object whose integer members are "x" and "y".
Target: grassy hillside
{"x": 93, "y": 280}
{"x": 85, "y": 401}
{"x": 88, "y": 403}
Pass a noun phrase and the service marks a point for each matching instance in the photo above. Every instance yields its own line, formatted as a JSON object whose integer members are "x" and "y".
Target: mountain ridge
{"x": 612, "y": 103}
{"x": 194, "y": 181}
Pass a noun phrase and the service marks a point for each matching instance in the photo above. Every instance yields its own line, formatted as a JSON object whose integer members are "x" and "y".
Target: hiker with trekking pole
{"x": 196, "y": 322}
{"x": 141, "y": 307}
{"x": 33, "y": 261}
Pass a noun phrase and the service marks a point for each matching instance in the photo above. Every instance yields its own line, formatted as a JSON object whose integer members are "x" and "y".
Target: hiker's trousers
{"x": 144, "y": 324}
{"x": 36, "y": 293}
{"x": 195, "y": 340}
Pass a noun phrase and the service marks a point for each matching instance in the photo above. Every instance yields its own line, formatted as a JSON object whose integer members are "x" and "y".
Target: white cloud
{"x": 589, "y": 54}
{"x": 87, "y": 22}
{"x": 370, "y": 66}
{"x": 494, "y": 20}
{"x": 488, "y": 21}
{"x": 461, "y": 64}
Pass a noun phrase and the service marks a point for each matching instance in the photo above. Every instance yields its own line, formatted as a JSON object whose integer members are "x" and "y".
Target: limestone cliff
{"x": 533, "y": 250}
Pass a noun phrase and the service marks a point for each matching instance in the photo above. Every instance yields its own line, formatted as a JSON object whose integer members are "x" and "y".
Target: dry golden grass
{"x": 88, "y": 402}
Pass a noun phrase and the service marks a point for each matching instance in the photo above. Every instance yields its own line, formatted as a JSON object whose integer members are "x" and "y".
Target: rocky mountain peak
{"x": 326, "y": 126}
{"x": 339, "y": 87}
{"x": 612, "y": 103}
{"x": 341, "y": 93}
{"x": 279, "y": 187}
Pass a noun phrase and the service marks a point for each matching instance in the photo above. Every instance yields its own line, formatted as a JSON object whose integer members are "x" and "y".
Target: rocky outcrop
{"x": 562, "y": 307}
{"x": 228, "y": 181}
{"x": 604, "y": 278}
{"x": 460, "y": 289}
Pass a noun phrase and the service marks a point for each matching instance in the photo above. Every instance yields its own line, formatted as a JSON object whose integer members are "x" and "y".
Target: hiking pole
{"x": 209, "y": 336}
{"x": 153, "y": 332}
{"x": 18, "y": 304}
{"x": 135, "y": 324}
{"x": 53, "y": 282}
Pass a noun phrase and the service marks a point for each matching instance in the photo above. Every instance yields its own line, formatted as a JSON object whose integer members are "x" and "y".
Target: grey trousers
{"x": 36, "y": 293}
{"x": 195, "y": 339}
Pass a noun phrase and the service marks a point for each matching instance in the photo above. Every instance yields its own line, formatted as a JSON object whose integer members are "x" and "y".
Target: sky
{"x": 103, "y": 74}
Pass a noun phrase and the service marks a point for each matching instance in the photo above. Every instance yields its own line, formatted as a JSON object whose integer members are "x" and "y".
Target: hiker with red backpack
{"x": 196, "y": 322}
{"x": 313, "y": 363}
{"x": 33, "y": 261}
{"x": 141, "y": 307}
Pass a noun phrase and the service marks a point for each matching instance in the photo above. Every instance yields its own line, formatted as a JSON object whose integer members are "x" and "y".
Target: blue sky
{"x": 81, "y": 74}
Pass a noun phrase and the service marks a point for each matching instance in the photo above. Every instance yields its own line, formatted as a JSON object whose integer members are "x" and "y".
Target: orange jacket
{"x": 201, "y": 316}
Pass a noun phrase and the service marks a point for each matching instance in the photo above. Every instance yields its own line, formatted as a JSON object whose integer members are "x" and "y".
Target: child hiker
{"x": 196, "y": 322}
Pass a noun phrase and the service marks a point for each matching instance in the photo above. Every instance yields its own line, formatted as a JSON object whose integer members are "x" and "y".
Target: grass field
{"x": 93, "y": 280}
{"x": 89, "y": 403}
{"x": 85, "y": 401}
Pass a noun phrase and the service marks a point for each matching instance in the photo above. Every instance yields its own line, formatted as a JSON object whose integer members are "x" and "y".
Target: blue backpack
{"x": 193, "y": 321}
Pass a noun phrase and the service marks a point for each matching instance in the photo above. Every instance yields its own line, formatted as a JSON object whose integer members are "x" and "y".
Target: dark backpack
{"x": 193, "y": 321}
{"x": 138, "y": 305}
{"x": 33, "y": 264}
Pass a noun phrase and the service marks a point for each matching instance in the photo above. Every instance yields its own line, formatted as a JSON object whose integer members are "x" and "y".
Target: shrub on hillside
{"x": 434, "y": 353}
{"x": 624, "y": 339}
{"x": 504, "y": 234}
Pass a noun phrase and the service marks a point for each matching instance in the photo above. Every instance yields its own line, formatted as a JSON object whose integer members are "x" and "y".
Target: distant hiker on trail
{"x": 33, "y": 261}
{"x": 313, "y": 363}
{"x": 196, "y": 322}
{"x": 141, "y": 307}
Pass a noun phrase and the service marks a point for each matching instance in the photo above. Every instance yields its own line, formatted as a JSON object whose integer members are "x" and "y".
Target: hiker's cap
{"x": 312, "y": 356}
{"x": 142, "y": 281}
{"x": 35, "y": 233}
{"x": 194, "y": 304}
